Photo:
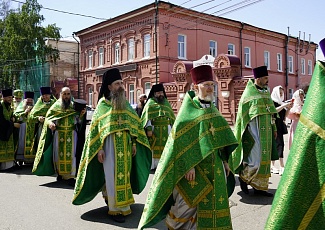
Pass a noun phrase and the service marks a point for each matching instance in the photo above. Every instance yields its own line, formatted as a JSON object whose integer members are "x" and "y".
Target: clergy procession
{"x": 195, "y": 157}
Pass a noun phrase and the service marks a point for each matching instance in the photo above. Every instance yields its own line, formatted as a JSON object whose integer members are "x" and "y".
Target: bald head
{"x": 65, "y": 97}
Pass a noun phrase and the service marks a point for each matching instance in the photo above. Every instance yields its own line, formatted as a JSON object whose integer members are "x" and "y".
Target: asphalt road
{"x": 29, "y": 202}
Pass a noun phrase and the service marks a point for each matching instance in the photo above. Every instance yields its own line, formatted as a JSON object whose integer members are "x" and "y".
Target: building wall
{"x": 65, "y": 71}
{"x": 199, "y": 29}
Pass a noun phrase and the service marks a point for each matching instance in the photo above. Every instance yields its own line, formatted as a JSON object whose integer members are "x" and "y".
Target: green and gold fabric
{"x": 254, "y": 104}
{"x": 200, "y": 139}
{"x": 126, "y": 127}
{"x": 39, "y": 110}
{"x": 7, "y": 148}
{"x": 299, "y": 200}
{"x": 65, "y": 119}
{"x": 161, "y": 115}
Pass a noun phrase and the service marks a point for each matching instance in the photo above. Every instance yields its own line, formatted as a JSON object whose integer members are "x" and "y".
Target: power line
{"x": 66, "y": 12}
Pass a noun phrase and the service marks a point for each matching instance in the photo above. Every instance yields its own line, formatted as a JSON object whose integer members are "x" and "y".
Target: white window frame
{"x": 101, "y": 56}
{"x": 90, "y": 59}
{"x": 117, "y": 53}
{"x": 310, "y": 67}
{"x": 279, "y": 62}
{"x": 290, "y": 64}
{"x": 213, "y": 50}
{"x": 90, "y": 97}
{"x": 267, "y": 59}
{"x": 303, "y": 66}
{"x": 131, "y": 49}
{"x": 181, "y": 47}
{"x": 147, "y": 88}
{"x": 231, "y": 51}
{"x": 290, "y": 93}
{"x": 247, "y": 56}
{"x": 131, "y": 94}
{"x": 146, "y": 45}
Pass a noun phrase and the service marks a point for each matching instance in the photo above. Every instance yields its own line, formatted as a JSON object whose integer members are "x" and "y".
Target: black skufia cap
{"x": 156, "y": 88}
{"x": 7, "y": 92}
{"x": 79, "y": 104}
{"x": 29, "y": 94}
{"x": 260, "y": 71}
{"x": 109, "y": 77}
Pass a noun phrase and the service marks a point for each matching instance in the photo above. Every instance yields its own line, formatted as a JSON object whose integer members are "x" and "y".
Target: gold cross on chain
{"x": 120, "y": 120}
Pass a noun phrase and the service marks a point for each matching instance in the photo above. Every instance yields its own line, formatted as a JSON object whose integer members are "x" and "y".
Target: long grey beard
{"x": 118, "y": 99}
{"x": 16, "y": 103}
{"x": 65, "y": 104}
{"x": 208, "y": 98}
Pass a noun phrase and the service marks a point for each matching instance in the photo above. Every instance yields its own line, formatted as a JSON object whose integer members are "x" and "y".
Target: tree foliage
{"x": 23, "y": 41}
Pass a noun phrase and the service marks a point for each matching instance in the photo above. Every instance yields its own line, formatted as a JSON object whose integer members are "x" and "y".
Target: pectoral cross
{"x": 268, "y": 108}
{"x": 212, "y": 129}
{"x": 120, "y": 120}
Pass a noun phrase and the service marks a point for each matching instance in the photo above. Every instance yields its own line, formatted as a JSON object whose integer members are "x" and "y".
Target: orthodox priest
{"x": 157, "y": 119}
{"x": 189, "y": 188}
{"x": 35, "y": 121}
{"x": 116, "y": 158}
{"x": 7, "y": 148}
{"x": 26, "y": 130}
{"x": 56, "y": 150}
{"x": 255, "y": 131}
{"x": 18, "y": 97}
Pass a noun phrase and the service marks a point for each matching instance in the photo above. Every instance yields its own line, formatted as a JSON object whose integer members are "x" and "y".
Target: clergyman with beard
{"x": 7, "y": 124}
{"x": 60, "y": 124}
{"x": 157, "y": 119}
{"x": 116, "y": 158}
{"x": 26, "y": 129}
{"x": 35, "y": 121}
{"x": 18, "y": 97}
{"x": 191, "y": 180}
{"x": 256, "y": 132}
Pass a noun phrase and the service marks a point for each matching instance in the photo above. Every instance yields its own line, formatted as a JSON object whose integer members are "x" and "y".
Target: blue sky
{"x": 276, "y": 15}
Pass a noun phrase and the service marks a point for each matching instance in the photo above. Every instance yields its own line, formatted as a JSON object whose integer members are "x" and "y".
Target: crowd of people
{"x": 194, "y": 156}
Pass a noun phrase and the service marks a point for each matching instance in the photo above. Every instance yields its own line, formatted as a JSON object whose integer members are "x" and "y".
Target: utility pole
{"x": 77, "y": 65}
{"x": 156, "y": 39}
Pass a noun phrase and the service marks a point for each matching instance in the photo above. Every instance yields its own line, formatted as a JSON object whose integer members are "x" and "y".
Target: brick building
{"x": 128, "y": 42}
{"x": 64, "y": 72}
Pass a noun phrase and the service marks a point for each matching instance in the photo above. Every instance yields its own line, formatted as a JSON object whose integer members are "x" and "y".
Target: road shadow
{"x": 58, "y": 184}
{"x": 252, "y": 198}
{"x": 100, "y": 215}
{"x": 19, "y": 170}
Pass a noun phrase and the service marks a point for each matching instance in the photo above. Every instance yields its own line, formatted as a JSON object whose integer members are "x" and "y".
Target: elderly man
{"x": 7, "y": 148}
{"x": 190, "y": 186}
{"x": 61, "y": 120}
{"x": 157, "y": 119}
{"x": 26, "y": 130}
{"x": 255, "y": 131}
{"x": 116, "y": 158}
{"x": 140, "y": 105}
{"x": 18, "y": 97}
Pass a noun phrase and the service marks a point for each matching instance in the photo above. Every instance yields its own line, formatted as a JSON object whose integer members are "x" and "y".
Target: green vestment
{"x": 43, "y": 163}
{"x": 200, "y": 139}
{"x": 254, "y": 104}
{"x": 125, "y": 126}
{"x": 7, "y": 148}
{"x": 31, "y": 120}
{"x": 160, "y": 115}
{"x": 39, "y": 110}
{"x": 299, "y": 200}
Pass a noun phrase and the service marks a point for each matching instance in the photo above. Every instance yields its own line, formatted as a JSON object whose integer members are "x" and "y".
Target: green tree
{"x": 23, "y": 41}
